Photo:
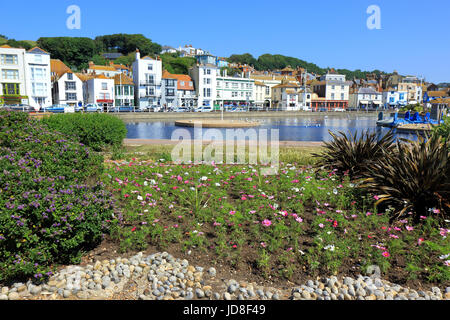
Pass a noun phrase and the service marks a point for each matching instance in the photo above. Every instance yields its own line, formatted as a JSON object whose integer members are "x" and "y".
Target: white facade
{"x": 235, "y": 90}
{"x": 99, "y": 90}
{"x": 205, "y": 79}
{"x": 39, "y": 87}
{"x": 393, "y": 98}
{"x": 68, "y": 89}
{"x": 366, "y": 97}
{"x": 147, "y": 74}
{"x": 12, "y": 73}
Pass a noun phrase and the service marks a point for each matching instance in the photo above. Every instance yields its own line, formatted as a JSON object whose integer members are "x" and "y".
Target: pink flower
{"x": 215, "y": 224}
{"x": 321, "y": 225}
{"x": 232, "y": 213}
{"x": 386, "y": 254}
{"x": 376, "y": 197}
{"x": 263, "y": 244}
{"x": 419, "y": 241}
{"x": 299, "y": 220}
{"x": 409, "y": 228}
{"x": 436, "y": 211}
{"x": 243, "y": 198}
{"x": 266, "y": 223}
{"x": 393, "y": 236}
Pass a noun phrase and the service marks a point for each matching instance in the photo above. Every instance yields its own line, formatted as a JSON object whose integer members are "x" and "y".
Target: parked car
{"x": 181, "y": 109}
{"x": 20, "y": 107}
{"x": 59, "y": 108}
{"x": 124, "y": 109}
{"x": 93, "y": 107}
{"x": 204, "y": 109}
{"x": 339, "y": 109}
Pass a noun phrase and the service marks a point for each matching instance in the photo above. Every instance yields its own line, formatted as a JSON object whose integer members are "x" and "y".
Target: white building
{"x": 147, "y": 75}
{"x": 268, "y": 81}
{"x": 205, "y": 79}
{"x": 286, "y": 96}
{"x": 124, "y": 90}
{"x": 394, "y": 99}
{"x": 236, "y": 91}
{"x": 39, "y": 86}
{"x": 12, "y": 76}
{"x": 99, "y": 89}
{"x": 67, "y": 88}
{"x": 366, "y": 98}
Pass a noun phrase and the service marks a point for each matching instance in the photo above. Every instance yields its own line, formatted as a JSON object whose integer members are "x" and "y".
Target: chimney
{"x": 138, "y": 54}
{"x": 91, "y": 63}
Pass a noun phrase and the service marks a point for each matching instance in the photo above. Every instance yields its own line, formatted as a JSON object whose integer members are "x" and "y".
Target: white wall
{"x": 40, "y": 63}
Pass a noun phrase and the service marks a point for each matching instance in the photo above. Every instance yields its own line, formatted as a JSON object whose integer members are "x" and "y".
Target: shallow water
{"x": 303, "y": 128}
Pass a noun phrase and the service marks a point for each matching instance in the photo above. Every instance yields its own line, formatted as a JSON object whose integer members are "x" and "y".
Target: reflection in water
{"x": 291, "y": 129}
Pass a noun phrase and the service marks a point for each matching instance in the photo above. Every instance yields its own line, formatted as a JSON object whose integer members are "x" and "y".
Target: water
{"x": 305, "y": 128}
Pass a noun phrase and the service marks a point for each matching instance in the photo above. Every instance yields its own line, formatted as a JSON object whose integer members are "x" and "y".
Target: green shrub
{"x": 352, "y": 153}
{"x": 443, "y": 130}
{"x": 415, "y": 178}
{"x": 96, "y": 130}
{"x": 51, "y": 206}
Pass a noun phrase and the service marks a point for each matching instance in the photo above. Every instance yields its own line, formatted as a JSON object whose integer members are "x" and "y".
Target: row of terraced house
{"x": 32, "y": 77}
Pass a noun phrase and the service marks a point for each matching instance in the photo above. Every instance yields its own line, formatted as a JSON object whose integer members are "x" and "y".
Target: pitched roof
{"x": 101, "y": 68}
{"x": 187, "y": 80}
{"x": 287, "y": 85}
{"x": 6, "y": 46}
{"x": 437, "y": 94}
{"x": 123, "y": 79}
{"x": 37, "y": 50}
{"x": 58, "y": 67}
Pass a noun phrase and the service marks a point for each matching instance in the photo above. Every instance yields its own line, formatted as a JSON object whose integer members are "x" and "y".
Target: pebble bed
{"x": 160, "y": 276}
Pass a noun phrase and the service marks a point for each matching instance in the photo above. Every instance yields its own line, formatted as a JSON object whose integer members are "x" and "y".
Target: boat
{"x": 408, "y": 119}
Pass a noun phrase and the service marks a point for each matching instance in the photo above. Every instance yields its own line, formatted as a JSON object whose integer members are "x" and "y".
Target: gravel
{"x": 160, "y": 276}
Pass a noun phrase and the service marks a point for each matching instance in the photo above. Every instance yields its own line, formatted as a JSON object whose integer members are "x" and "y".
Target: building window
{"x": 11, "y": 89}
{"x": 170, "y": 92}
{"x": 37, "y": 58}
{"x": 182, "y": 83}
{"x": 70, "y": 86}
{"x": 342, "y": 96}
{"x": 71, "y": 96}
{"x": 10, "y": 74}
{"x": 332, "y": 96}
{"x": 70, "y": 76}
{"x": 104, "y": 86}
{"x": 150, "y": 67}
{"x": 8, "y": 59}
{"x": 37, "y": 73}
{"x": 39, "y": 89}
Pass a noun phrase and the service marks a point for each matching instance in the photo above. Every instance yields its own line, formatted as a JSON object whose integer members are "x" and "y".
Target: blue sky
{"x": 414, "y": 36}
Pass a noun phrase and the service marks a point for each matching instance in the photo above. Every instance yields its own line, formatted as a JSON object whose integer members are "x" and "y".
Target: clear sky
{"x": 414, "y": 37}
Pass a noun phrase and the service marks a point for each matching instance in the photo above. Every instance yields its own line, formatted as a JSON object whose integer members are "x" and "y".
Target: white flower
{"x": 329, "y": 247}
{"x": 204, "y": 178}
{"x": 335, "y": 191}
{"x": 217, "y": 184}
{"x": 152, "y": 181}
{"x": 140, "y": 198}
{"x": 145, "y": 183}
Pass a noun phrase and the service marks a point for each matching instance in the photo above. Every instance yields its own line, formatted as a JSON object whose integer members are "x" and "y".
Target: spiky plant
{"x": 352, "y": 154}
{"x": 415, "y": 178}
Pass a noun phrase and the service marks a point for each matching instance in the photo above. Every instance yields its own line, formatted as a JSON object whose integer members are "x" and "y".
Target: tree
{"x": 177, "y": 65}
{"x": 126, "y": 43}
{"x": 126, "y": 60}
{"x": 75, "y": 52}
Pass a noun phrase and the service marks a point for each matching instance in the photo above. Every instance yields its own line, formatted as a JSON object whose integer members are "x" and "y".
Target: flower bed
{"x": 293, "y": 225}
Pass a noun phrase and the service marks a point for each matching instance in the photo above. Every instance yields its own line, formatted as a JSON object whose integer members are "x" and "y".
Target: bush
{"x": 443, "y": 130}
{"x": 352, "y": 154}
{"x": 415, "y": 178}
{"x": 51, "y": 206}
{"x": 96, "y": 130}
